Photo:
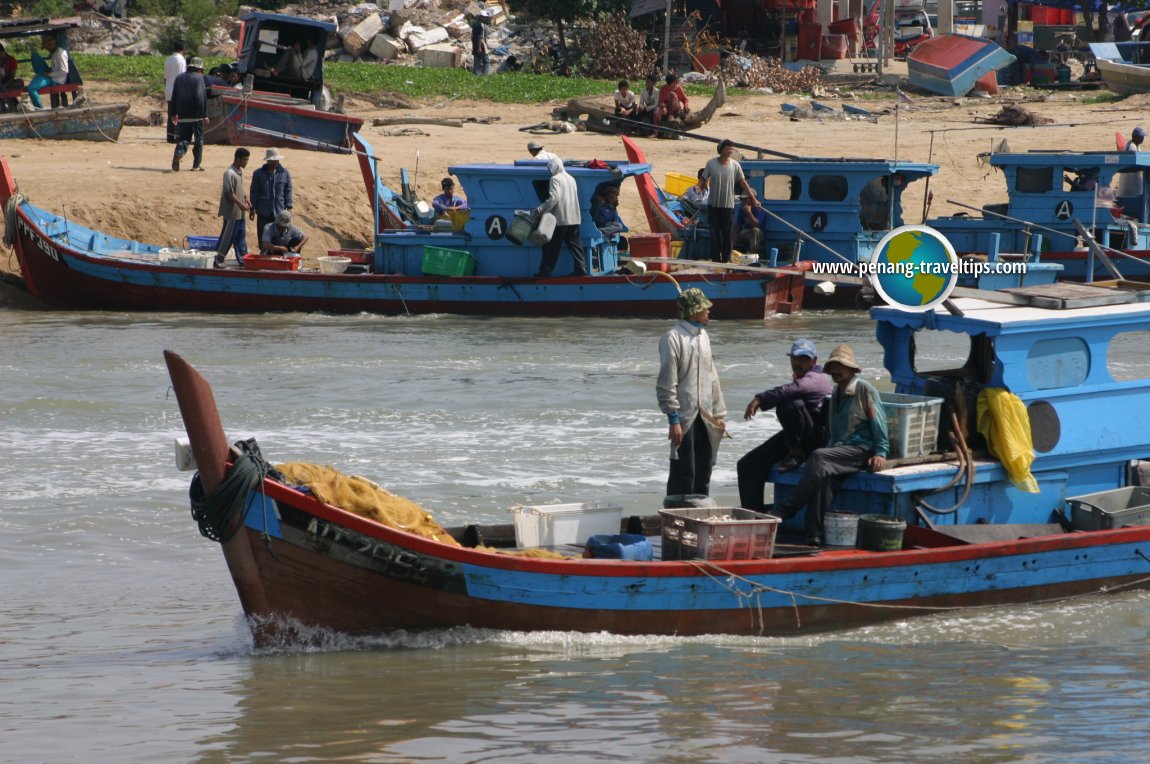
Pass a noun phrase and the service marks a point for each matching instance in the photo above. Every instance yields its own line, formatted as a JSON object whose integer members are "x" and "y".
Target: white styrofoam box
{"x": 558, "y": 524}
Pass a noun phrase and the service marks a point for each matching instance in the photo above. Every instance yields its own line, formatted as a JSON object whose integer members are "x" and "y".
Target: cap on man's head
{"x": 692, "y": 301}
{"x": 803, "y": 348}
{"x": 447, "y": 183}
{"x": 534, "y": 146}
{"x": 1139, "y": 132}
{"x": 283, "y": 220}
{"x": 273, "y": 155}
{"x": 196, "y": 63}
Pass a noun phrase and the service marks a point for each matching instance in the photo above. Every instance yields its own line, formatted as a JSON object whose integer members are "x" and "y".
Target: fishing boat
{"x": 1123, "y": 66}
{"x": 79, "y": 121}
{"x": 1057, "y": 203}
{"x": 277, "y": 108}
{"x": 599, "y": 116}
{"x": 946, "y": 526}
{"x": 472, "y": 266}
{"x": 953, "y": 64}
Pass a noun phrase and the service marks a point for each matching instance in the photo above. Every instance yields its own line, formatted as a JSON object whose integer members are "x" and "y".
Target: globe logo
{"x": 914, "y": 268}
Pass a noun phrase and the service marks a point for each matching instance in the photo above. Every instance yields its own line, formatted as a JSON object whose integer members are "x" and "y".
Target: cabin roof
{"x": 281, "y": 18}
{"x": 534, "y": 168}
{"x": 34, "y": 27}
{"x": 1073, "y": 159}
{"x": 993, "y": 318}
{"x": 841, "y": 166}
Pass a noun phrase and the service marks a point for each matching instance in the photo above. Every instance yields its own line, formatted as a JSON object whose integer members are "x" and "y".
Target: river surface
{"x": 121, "y": 636}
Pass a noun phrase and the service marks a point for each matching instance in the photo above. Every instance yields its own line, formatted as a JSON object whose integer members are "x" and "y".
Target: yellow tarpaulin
{"x": 1003, "y": 421}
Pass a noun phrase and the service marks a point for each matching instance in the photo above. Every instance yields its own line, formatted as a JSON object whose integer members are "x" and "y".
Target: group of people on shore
{"x": 58, "y": 69}
{"x": 654, "y": 103}
{"x": 833, "y": 422}
{"x": 269, "y": 203}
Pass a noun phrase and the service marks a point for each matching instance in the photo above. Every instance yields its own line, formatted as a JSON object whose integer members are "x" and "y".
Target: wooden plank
{"x": 1067, "y": 295}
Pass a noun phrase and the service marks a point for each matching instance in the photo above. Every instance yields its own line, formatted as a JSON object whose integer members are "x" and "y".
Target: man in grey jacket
{"x": 690, "y": 396}
{"x": 562, "y": 202}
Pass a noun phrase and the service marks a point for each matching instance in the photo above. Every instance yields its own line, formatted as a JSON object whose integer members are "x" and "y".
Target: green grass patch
{"x": 415, "y": 82}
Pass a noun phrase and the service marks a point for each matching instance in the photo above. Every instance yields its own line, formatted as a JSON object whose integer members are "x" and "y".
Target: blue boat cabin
{"x": 284, "y": 54}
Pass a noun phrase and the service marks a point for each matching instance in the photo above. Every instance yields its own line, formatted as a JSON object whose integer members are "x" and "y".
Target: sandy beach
{"x": 128, "y": 188}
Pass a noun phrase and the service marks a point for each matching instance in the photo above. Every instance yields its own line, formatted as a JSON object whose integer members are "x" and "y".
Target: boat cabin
{"x": 1088, "y": 412}
{"x": 284, "y": 54}
{"x": 18, "y": 29}
{"x": 1052, "y": 190}
{"x": 495, "y": 193}
{"x": 847, "y": 204}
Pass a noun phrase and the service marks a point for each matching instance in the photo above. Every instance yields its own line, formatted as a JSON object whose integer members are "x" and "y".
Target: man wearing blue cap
{"x": 799, "y": 407}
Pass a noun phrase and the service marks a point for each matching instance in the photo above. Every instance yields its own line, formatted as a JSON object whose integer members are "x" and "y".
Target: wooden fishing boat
{"x": 472, "y": 268}
{"x": 1123, "y": 66}
{"x": 275, "y": 109}
{"x": 971, "y": 537}
{"x": 86, "y": 122}
{"x": 599, "y": 117}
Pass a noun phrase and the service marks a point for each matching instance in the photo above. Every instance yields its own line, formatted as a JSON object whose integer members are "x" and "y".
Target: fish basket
{"x": 718, "y": 533}
{"x": 558, "y": 524}
{"x": 202, "y": 242}
{"x": 440, "y": 261}
{"x": 1110, "y": 509}
{"x": 676, "y": 183}
{"x": 333, "y": 264}
{"x": 270, "y": 263}
{"x": 912, "y": 423}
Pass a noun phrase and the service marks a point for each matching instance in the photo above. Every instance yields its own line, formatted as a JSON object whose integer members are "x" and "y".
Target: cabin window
{"x": 1062, "y": 362}
{"x": 1125, "y": 356}
{"x": 1035, "y": 180}
{"x": 950, "y": 354}
{"x": 781, "y": 187}
{"x": 1080, "y": 179}
{"x": 828, "y": 188}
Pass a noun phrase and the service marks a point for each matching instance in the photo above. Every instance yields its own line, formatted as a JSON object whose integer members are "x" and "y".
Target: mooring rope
{"x": 14, "y": 202}
{"x": 215, "y": 513}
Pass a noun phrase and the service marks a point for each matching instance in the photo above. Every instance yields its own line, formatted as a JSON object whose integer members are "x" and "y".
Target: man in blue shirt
{"x": 448, "y": 201}
{"x": 856, "y": 439}
{"x": 799, "y": 405}
{"x": 271, "y": 191}
{"x": 750, "y": 226}
{"x": 190, "y": 99}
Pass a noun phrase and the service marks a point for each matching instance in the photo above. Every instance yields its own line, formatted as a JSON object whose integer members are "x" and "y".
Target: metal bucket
{"x": 880, "y": 533}
{"x": 842, "y": 528}
{"x": 521, "y": 227}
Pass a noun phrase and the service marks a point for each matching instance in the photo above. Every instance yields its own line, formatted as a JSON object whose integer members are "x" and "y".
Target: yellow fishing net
{"x": 362, "y": 497}
{"x": 1004, "y": 422}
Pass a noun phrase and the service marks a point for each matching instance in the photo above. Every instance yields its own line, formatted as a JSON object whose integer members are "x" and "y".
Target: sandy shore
{"x": 128, "y": 189}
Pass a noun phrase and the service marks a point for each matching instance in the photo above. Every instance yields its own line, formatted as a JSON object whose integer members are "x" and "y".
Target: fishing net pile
{"x": 1013, "y": 115}
{"x": 362, "y": 497}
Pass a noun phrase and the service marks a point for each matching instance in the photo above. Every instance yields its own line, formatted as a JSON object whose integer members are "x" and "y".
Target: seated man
{"x": 673, "y": 103}
{"x": 700, "y": 192}
{"x": 626, "y": 104}
{"x": 799, "y": 407}
{"x": 281, "y": 238}
{"x": 448, "y": 200}
{"x": 856, "y": 439}
{"x": 648, "y": 101}
{"x": 297, "y": 62}
{"x": 605, "y": 210}
{"x": 8, "y": 79}
{"x": 57, "y": 74}
{"x": 750, "y": 226}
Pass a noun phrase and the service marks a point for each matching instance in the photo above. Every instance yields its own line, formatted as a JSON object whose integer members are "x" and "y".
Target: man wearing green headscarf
{"x": 690, "y": 396}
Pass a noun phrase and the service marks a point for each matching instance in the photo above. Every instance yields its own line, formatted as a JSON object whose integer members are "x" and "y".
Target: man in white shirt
{"x": 174, "y": 66}
{"x": 535, "y": 149}
{"x": 562, "y": 202}
{"x": 45, "y": 76}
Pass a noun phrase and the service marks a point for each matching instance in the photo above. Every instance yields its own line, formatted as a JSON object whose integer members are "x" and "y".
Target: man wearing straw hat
{"x": 856, "y": 439}
{"x": 271, "y": 191}
{"x": 690, "y": 396}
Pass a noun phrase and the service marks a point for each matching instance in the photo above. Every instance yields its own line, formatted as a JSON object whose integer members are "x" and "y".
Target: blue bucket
{"x": 203, "y": 242}
{"x": 620, "y": 546}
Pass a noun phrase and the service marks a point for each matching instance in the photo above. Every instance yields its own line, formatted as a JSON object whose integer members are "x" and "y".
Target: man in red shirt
{"x": 8, "y": 79}
{"x": 672, "y": 100}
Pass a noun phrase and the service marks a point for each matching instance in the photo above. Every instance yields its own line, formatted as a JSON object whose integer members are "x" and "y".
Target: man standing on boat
{"x": 191, "y": 107}
{"x": 723, "y": 174}
{"x": 1130, "y": 183}
{"x": 563, "y": 202}
{"x": 799, "y": 405}
{"x": 271, "y": 191}
{"x": 857, "y": 439}
{"x": 174, "y": 66}
{"x": 233, "y": 205}
{"x": 690, "y": 396}
{"x": 536, "y": 150}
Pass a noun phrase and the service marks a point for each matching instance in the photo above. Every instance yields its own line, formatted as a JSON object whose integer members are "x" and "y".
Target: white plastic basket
{"x": 558, "y": 524}
{"x": 332, "y": 264}
{"x": 912, "y": 423}
{"x": 187, "y": 258}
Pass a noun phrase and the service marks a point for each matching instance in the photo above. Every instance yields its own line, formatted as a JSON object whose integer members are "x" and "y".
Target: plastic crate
{"x": 676, "y": 183}
{"x": 912, "y": 423}
{"x": 718, "y": 533}
{"x": 270, "y": 263}
{"x": 557, "y": 524}
{"x": 203, "y": 242}
{"x": 440, "y": 261}
{"x": 179, "y": 258}
{"x": 1110, "y": 509}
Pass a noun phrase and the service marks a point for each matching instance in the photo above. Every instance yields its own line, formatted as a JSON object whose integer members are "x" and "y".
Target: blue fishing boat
{"x": 948, "y": 525}
{"x": 288, "y": 108}
{"x": 472, "y": 266}
{"x": 1049, "y": 194}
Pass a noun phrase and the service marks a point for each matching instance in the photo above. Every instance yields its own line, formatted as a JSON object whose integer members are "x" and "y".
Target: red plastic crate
{"x": 357, "y": 256}
{"x": 649, "y": 244}
{"x": 265, "y": 263}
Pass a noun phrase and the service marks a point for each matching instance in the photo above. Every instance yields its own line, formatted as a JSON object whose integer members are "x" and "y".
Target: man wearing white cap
{"x": 190, "y": 98}
{"x": 271, "y": 191}
{"x": 536, "y": 150}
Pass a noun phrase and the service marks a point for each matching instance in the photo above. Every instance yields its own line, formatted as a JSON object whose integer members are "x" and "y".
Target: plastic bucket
{"x": 842, "y": 528}
{"x": 544, "y": 230}
{"x": 880, "y": 533}
{"x": 520, "y": 228}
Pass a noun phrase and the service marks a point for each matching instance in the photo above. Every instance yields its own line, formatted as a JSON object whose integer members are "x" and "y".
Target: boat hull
{"x": 77, "y": 123}
{"x": 1123, "y": 78}
{"x": 280, "y": 122}
{"x": 65, "y": 277}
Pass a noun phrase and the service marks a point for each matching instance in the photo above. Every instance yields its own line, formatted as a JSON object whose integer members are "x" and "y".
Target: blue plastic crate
{"x": 203, "y": 242}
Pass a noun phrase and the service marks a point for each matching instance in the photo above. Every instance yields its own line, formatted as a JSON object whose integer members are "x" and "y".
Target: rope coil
{"x": 217, "y": 513}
